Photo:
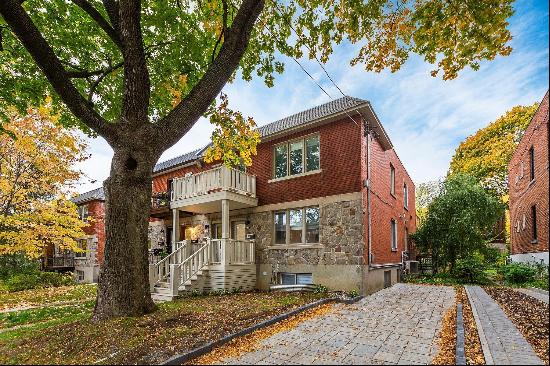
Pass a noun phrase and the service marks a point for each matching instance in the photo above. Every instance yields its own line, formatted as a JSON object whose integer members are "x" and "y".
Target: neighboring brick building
{"x": 529, "y": 191}
{"x": 305, "y": 202}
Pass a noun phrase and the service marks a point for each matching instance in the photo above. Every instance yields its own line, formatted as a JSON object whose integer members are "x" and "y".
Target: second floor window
{"x": 81, "y": 244}
{"x": 83, "y": 212}
{"x": 405, "y": 196}
{"x": 392, "y": 180}
{"x": 297, "y": 157}
{"x": 531, "y": 163}
{"x": 534, "y": 223}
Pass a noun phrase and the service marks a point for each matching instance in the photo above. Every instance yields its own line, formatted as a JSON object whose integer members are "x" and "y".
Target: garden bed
{"x": 528, "y": 314}
{"x": 176, "y": 327}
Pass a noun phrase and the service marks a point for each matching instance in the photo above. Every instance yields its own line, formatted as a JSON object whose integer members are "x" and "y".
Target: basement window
{"x": 296, "y": 279}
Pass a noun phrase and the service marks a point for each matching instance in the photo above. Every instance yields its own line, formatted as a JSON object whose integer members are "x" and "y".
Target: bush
{"x": 14, "y": 264}
{"x": 518, "y": 273}
{"x": 28, "y": 281}
{"x": 470, "y": 270}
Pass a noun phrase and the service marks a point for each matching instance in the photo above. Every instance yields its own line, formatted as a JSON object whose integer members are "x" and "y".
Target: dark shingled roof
{"x": 321, "y": 111}
{"x": 95, "y": 195}
{"x": 310, "y": 115}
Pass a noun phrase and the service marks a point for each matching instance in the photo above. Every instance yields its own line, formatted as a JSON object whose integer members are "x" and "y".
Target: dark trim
{"x": 204, "y": 349}
{"x": 460, "y": 355}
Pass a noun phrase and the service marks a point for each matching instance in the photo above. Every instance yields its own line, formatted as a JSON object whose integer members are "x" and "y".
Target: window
{"x": 393, "y": 235}
{"x": 83, "y": 212}
{"x": 296, "y": 279}
{"x": 79, "y": 275}
{"x": 392, "y": 180}
{"x": 81, "y": 244}
{"x": 280, "y": 227}
{"x": 531, "y": 163}
{"x": 301, "y": 227}
{"x": 297, "y": 157}
{"x": 405, "y": 196}
{"x": 534, "y": 221}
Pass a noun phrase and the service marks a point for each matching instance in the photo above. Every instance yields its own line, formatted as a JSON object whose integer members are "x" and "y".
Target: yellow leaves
{"x": 36, "y": 168}
{"x": 234, "y": 139}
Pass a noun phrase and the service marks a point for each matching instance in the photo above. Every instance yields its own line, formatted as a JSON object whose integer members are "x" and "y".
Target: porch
{"x": 217, "y": 260}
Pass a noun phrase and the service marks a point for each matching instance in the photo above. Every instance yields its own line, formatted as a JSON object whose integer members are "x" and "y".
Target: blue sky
{"x": 425, "y": 117}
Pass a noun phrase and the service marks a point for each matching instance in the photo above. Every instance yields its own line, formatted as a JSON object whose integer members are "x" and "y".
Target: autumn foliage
{"x": 36, "y": 169}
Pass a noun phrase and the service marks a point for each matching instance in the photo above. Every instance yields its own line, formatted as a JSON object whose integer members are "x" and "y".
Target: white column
{"x": 225, "y": 232}
{"x": 225, "y": 219}
{"x": 175, "y": 227}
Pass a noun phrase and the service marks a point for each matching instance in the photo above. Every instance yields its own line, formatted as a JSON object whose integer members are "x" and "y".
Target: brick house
{"x": 529, "y": 191}
{"x": 326, "y": 201}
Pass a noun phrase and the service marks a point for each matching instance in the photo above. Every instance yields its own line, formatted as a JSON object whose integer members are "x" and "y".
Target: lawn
{"x": 64, "y": 334}
{"x": 46, "y": 296}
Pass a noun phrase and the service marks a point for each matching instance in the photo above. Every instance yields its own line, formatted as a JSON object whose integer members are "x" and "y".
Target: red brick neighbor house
{"x": 325, "y": 201}
{"x": 529, "y": 191}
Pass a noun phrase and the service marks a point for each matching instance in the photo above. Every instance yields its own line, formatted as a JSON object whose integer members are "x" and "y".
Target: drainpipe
{"x": 369, "y": 182}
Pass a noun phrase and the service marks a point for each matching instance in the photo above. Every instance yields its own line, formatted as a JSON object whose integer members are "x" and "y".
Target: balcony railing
{"x": 66, "y": 260}
{"x": 212, "y": 181}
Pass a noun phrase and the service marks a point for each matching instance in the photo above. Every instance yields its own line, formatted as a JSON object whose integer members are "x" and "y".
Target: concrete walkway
{"x": 398, "y": 325}
{"x": 536, "y": 293}
{"x": 501, "y": 341}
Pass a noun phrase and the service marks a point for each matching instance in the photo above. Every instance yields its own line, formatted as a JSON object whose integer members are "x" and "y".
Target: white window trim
{"x": 393, "y": 233}
{"x": 392, "y": 180}
{"x": 304, "y": 158}
{"x": 287, "y": 244}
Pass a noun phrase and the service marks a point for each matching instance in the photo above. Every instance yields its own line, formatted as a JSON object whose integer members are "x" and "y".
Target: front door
{"x": 238, "y": 230}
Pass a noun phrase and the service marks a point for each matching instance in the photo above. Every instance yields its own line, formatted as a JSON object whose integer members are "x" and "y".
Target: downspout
{"x": 369, "y": 182}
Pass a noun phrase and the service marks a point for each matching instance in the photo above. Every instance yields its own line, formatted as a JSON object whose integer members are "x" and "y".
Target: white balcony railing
{"x": 214, "y": 180}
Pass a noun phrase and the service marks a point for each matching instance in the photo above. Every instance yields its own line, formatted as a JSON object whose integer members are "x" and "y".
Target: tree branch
{"x": 103, "y": 24}
{"x": 180, "y": 120}
{"x": 224, "y": 29}
{"x": 137, "y": 86}
{"x": 111, "y": 6}
{"x": 44, "y": 56}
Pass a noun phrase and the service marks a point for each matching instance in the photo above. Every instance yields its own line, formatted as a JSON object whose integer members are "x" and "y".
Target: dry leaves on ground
{"x": 528, "y": 314}
{"x": 447, "y": 336}
{"x": 251, "y": 342}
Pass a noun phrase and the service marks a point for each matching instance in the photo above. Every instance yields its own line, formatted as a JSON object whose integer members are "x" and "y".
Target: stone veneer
{"x": 340, "y": 238}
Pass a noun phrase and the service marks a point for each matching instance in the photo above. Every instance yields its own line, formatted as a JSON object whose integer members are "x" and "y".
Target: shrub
{"x": 518, "y": 273}
{"x": 27, "y": 281}
{"x": 470, "y": 270}
{"x": 14, "y": 264}
{"x": 320, "y": 289}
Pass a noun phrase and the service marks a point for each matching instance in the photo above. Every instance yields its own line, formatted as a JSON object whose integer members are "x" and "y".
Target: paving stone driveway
{"x": 397, "y": 325}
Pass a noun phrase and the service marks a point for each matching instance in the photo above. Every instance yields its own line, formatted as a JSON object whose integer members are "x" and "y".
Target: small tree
{"x": 36, "y": 168}
{"x": 457, "y": 221}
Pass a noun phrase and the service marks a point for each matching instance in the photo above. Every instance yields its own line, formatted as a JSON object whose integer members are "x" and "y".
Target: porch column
{"x": 225, "y": 219}
{"x": 175, "y": 227}
{"x": 225, "y": 232}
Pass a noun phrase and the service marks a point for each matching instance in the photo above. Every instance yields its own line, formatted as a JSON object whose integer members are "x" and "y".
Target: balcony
{"x": 203, "y": 192}
{"x": 60, "y": 261}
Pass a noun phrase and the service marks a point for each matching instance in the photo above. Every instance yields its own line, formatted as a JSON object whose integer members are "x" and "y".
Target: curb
{"x": 205, "y": 348}
{"x": 482, "y": 338}
{"x": 460, "y": 357}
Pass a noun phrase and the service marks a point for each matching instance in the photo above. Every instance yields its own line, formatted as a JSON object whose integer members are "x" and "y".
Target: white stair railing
{"x": 181, "y": 273}
{"x": 161, "y": 270}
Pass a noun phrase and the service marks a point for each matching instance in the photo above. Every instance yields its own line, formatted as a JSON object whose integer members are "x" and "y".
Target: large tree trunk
{"x": 123, "y": 280}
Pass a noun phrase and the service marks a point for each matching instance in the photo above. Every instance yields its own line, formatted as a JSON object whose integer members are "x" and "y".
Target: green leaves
{"x": 180, "y": 38}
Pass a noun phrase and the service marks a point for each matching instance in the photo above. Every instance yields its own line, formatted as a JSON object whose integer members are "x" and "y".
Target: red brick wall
{"x": 340, "y": 143}
{"x": 524, "y": 193}
{"x": 385, "y": 206}
{"x": 96, "y": 210}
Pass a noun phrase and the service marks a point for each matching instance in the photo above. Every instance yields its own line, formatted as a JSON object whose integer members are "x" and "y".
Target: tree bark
{"x": 124, "y": 278}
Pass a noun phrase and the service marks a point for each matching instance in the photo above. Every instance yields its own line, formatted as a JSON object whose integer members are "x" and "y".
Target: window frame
{"x": 531, "y": 163}
{"x": 392, "y": 180}
{"x": 303, "y": 229}
{"x": 534, "y": 233}
{"x": 82, "y": 255}
{"x": 287, "y": 144}
{"x": 295, "y": 276}
{"x": 393, "y": 235}
{"x": 405, "y": 196}
{"x": 83, "y": 212}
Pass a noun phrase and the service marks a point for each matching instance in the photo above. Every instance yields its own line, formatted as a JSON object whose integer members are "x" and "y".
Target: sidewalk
{"x": 501, "y": 341}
